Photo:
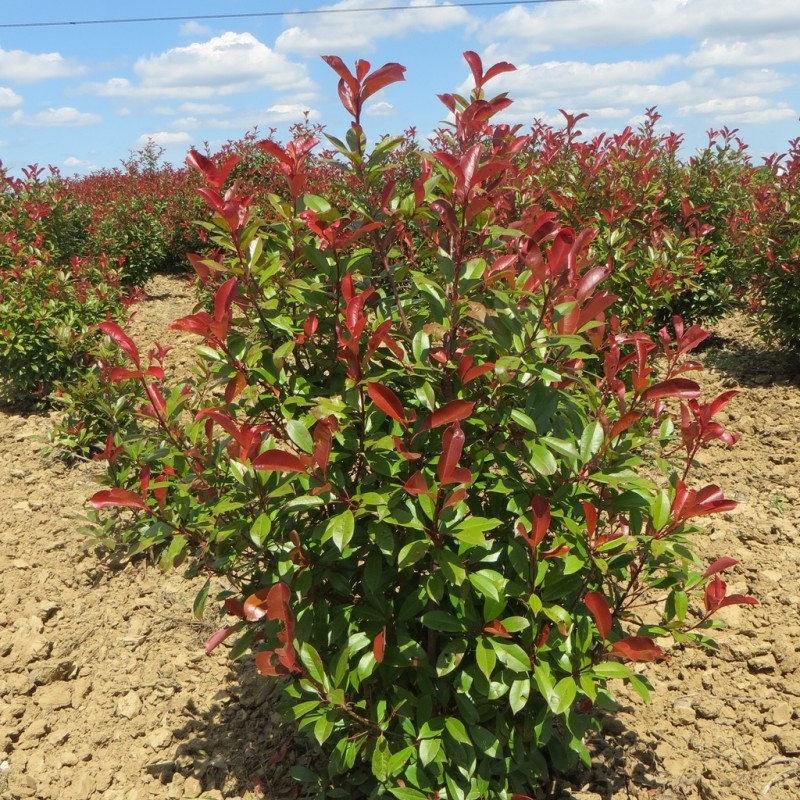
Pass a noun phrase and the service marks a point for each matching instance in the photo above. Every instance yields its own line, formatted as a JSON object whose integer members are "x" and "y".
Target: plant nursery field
{"x": 107, "y": 692}
{"x": 463, "y": 470}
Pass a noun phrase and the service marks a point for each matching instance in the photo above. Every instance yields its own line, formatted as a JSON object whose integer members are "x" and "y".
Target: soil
{"x": 105, "y": 690}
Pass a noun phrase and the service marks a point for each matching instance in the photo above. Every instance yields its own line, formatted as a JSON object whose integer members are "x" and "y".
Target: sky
{"x": 83, "y": 97}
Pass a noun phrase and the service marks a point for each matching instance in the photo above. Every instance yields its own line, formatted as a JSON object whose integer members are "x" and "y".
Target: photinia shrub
{"x": 142, "y": 215}
{"x": 50, "y": 297}
{"x": 441, "y": 479}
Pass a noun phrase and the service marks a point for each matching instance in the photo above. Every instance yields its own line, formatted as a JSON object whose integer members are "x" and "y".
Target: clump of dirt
{"x": 105, "y": 691}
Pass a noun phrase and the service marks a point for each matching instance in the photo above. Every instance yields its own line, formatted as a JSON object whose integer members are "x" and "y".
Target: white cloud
{"x": 24, "y": 67}
{"x": 290, "y": 112}
{"x": 204, "y": 108}
{"x": 224, "y": 65}
{"x": 75, "y": 163}
{"x": 770, "y": 50}
{"x": 334, "y": 33}
{"x": 609, "y": 23}
{"x": 379, "y": 109}
{"x": 164, "y": 138}
{"x": 9, "y": 98}
{"x": 63, "y": 117}
{"x": 194, "y": 28}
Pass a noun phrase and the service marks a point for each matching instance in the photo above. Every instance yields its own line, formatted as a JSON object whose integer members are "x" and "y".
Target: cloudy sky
{"x": 83, "y": 96}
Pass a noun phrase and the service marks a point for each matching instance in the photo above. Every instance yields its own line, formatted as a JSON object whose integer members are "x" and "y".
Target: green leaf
{"x": 412, "y": 552}
{"x": 428, "y": 750}
{"x": 523, "y": 420}
{"x": 512, "y": 655}
{"x": 542, "y": 460}
{"x": 519, "y": 693}
{"x": 340, "y": 528}
{"x": 299, "y": 434}
{"x": 611, "y": 669}
{"x": 564, "y": 695}
{"x": 660, "y": 509}
{"x": 420, "y": 346}
{"x": 200, "y": 600}
{"x": 313, "y": 663}
{"x": 442, "y": 621}
{"x": 488, "y": 583}
{"x": 405, "y": 793}
{"x": 470, "y": 531}
{"x": 485, "y": 657}
{"x": 323, "y": 728}
{"x": 260, "y": 530}
{"x": 640, "y": 686}
{"x": 592, "y": 440}
{"x": 681, "y": 603}
{"x": 545, "y": 684}
{"x": 400, "y": 759}
{"x": 380, "y": 760}
{"x": 455, "y": 727}
{"x": 301, "y": 709}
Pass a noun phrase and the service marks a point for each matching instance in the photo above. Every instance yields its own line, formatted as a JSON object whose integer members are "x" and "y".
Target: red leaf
{"x": 416, "y": 484}
{"x": 497, "y": 69}
{"x": 271, "y": 602}
{"x": 223, "y": 299}
{"x": 738, "y": 600}
{"x": 379, "y": 646}
{"x": 476, "y": 67}
{"x": 458, "y": 475}
{"x": 454, "y": 411}
{"x": 382, "y": 77}
{"x": 199, "y": 324}
{"x": 714, "y": 594}
{"x": 401, "y": 448}
{"x": 281, "y": 461}
{"x": 218, "y": 637}
{"x": 496, "y": 628}
{"x": 156, "y": 399}
{"x": 637, "y": 648}
{"x": 598, "y": 605}
{"x": 123, "y": 498}
{"x": 452, "y": 446}
{"x": 719, "y": 565}
{"x": 476, "y": 371}
{"x": 459, "y": 495}
{"x": 674, "y": 387}
{"x": 387, "y": 401}
{"x": 265, "y": 664}
{"x": 216, "y": 176}
{"x": 623, "y": 423}
{"x": 234, "y": 607}
{"x": 323, "y": 438}
{"x": 121, "y": 339}
{"x": 555, "y": 552}
{"x": 540, "y": 507}
{"x": 118, "y": 374}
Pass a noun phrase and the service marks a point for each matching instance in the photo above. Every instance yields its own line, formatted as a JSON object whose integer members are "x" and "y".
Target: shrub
{"x": 441, "y": 481}
{"x": 49, "y": 297}
{"x": 772, "y": 243}
{"x": 629, "y": 188}
{"x": 142, "y": 215}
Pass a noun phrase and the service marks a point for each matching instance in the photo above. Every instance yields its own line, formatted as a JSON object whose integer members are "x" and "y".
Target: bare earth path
{"x": 105, "y": 691}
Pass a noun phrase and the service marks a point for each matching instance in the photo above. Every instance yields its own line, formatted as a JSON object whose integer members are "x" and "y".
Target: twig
{"x": 788, "y": 774}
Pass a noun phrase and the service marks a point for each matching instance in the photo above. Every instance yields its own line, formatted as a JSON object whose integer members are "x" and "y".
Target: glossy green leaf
{"x": 341, "y": 528}
{"x": 485, "y": 657}
{"x": 519, "y": 693}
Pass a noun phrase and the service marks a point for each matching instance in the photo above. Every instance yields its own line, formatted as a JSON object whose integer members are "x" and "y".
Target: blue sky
{"x": 84, "y": 96}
